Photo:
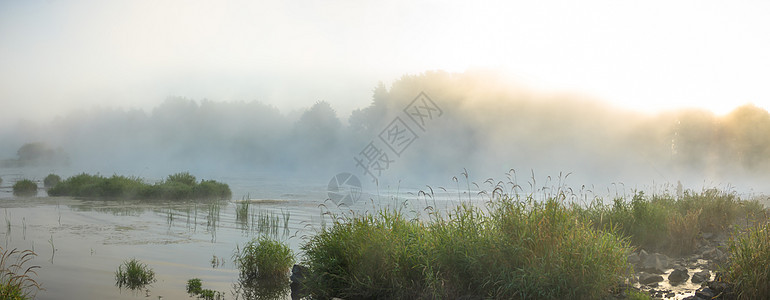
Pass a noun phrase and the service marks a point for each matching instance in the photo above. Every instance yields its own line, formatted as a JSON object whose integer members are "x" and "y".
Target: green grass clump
{"x": 749, "y": 269}
{"x": 515, "y": 249}
{"x": 16, "y": 282}
{"x": 195, "y": 288}
{"x": 51, "y": 180}
{"x": 263, "y": 259}
{"x": 134, "y": 275}
{"x": 665, "y": 223}
{"x": 181, "y": 186}
{"x": 25, "y": 188}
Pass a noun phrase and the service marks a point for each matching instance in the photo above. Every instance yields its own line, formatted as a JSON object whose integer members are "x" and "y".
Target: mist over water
{"x": 481, "y": 122}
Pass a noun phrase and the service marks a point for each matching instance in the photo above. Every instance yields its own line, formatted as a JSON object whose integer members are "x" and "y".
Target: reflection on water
{"x": 265, "y": 289}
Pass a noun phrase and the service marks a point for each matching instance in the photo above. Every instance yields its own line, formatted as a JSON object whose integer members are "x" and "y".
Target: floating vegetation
{"x": 195, "y": 288}
{"x": 16, "y": 281}
{"x": 133, "y": 275}
{"x": 217, "y": 262}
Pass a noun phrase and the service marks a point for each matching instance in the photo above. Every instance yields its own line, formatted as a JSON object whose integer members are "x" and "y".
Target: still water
{"x": 80, "y": 243}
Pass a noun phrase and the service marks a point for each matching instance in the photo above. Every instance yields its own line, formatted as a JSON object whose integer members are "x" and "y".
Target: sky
{"x": 57, "y": 56}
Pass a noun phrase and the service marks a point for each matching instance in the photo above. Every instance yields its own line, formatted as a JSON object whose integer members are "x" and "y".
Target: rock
{"x": 678, "y": 275}
{"x": 647, "y": 279}
{"x": 719, "y": 286}
{"x": 297, "y": 278}
{"x": 298, "y": 273}
{"x": 633, "y": 258}
{"x": 654, "y": 263}
{"x": 707, "y": 235}
{"x": 701, "y": 276}
{"x": 704, "y": 293}
{"x": 713, "y": 254}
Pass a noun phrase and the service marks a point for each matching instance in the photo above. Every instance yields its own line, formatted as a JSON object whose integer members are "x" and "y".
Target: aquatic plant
{"x": 16, "y": 280}
{"x": 263, "y": 258}
{"x": 181, "y": 186}
{"x": 515, "y": 248}
{"x": 25, "y": 188}
{"x": 133, "y": 275}
{"x": 242, "y": 213}
{"x": 51, "y": 180}
{"x": 749, "y": 268}
{"x": 194, "y": 286}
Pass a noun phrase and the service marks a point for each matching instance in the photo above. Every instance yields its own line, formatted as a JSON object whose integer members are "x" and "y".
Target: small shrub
{"x": 208, "y": 294}
{"x": 133, "y": 275}
{"x": 25, "y": 188}
{"x": 263, "y": 259}
{"x": 182, "y": 178}
{"x": 210, "y": 189}
{"x": 194, "y": 286}
{"x": 16, "y": 282}
{"x": 179, "y": 186}
{"x": 51, "y": 180}
{"x": 749, "y": 269}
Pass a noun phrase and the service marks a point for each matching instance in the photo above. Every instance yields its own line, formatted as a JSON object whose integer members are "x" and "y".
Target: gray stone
{"x": 705, "y": 293}
{"x": 713, "y": 254}
{"x": 647, "y": 279}
{"x": 701, "y": 276}
{"x": 633, "y": 258}
{"x": 654, "y": 263}
{"x": 678, "y": 275}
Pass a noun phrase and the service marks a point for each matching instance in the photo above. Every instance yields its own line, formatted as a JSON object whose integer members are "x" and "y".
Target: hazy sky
{"x": 57, "y": 55}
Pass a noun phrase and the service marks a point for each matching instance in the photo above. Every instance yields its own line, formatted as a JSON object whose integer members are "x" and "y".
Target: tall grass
{"x": 263, "y": 258}
{"x": 134, "y": 275}
{"x": 749, "y": 268}
{"x": 16, "y": 281}
{"x": 517, "y": 248}
{"x": 263, "y": 266}
{"x": 669, "y": 224}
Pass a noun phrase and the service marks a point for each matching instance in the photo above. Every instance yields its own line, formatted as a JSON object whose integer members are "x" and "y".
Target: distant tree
{"x": 746, "y": 131}
{"x": 365, "y": 120}
{"x": 316, "y": 133}
{"x": 35, "y": 152}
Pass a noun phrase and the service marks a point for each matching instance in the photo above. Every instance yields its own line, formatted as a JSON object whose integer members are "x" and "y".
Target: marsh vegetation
{"x": 180, "y": 186}
{"x": 25, "y": 188}
{"x": 17, "y": 277}
{"x": 133, "y": 274}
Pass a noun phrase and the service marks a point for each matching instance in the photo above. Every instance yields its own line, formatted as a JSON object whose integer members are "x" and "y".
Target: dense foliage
{"x": 181, "y": 186}
{"x": 25, "y": 188}
{"x": 519, "y": 249}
